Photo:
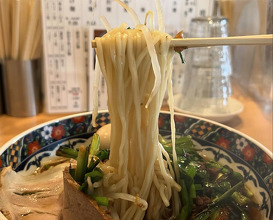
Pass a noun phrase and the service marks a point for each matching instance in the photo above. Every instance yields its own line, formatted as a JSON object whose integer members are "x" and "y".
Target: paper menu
{"x": 66, "y": 57}
{"x": 68, "y": 28}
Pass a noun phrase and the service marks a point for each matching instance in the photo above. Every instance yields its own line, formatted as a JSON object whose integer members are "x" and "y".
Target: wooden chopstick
{"x": 15, "y": 29}
{"x": 221, "y": 41}
{"x": 185, "y": 43}
{"x": 5, "y": 15}
{"x": 30, "y": 34}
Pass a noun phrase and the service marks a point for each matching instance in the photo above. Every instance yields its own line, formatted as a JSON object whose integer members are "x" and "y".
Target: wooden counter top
{"x": 253, "y": 121}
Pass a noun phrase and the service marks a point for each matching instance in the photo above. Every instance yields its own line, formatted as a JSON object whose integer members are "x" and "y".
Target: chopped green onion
{"x": 82, "y": 161}
{"x": 103, "y": 154}
{"x": 67, "y": 152}
{"x": 95, "y": 144}
{"x": 95, "y": 175}
{"x": 240, "y": 199}
{"x": 101, "y": 200}
{"x": 228, "y": 193}
{"x": 93, "y": 163}
{"x": 181, "y": 56}
{"x": 191, "y": 171}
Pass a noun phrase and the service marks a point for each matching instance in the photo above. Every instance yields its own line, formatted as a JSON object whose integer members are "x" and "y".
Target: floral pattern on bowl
{"x": 253, "y": 153}
{"x": 43, "y": 135}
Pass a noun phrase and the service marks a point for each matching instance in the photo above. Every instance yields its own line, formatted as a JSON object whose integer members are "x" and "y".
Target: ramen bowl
{"x": 223, "y": 144}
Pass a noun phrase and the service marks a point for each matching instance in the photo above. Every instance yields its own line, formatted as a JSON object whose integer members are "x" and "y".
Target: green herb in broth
{"x": 210, "y": 190}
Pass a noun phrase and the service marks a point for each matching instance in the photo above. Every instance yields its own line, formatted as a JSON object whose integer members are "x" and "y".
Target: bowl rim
{"x": 17, "y": 137}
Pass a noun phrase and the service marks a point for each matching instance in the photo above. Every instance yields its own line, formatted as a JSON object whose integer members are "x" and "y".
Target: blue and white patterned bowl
{"x": 219, "y": 142}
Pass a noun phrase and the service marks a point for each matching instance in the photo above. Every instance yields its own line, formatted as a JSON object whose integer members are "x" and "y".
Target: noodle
{"x": 137, "y": 66}
{"x": 151, "y": 23}
{"x": 105, "y": 23}
{"x": 95, "y": 91}
{"x": 160, "y": 16}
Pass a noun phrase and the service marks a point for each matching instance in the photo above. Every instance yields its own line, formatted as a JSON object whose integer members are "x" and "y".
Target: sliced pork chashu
{"x": 77, "y": 205}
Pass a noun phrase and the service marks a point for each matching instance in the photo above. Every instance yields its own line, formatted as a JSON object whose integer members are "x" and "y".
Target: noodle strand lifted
{"x": 137, "y": 67}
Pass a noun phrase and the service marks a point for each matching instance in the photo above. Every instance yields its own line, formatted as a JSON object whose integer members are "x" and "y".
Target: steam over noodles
{"x": 137, "y": 67}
